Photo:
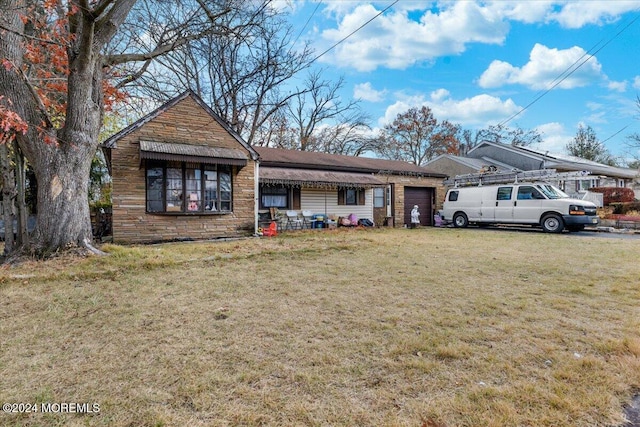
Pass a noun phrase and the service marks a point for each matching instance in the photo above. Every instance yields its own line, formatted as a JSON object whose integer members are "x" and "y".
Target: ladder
{"x": 511, "y": 177}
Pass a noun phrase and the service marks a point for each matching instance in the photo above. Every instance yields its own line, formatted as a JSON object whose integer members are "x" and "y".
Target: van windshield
{"x": 552, "y": 192}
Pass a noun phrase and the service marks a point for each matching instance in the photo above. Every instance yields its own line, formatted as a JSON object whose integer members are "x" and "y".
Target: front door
{"x": 528, "y": 205}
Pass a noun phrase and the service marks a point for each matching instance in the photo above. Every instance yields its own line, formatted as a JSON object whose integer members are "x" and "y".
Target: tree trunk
{"x": 63, "y": 220}
{"x": 21, "y": 205}
{"x": 8, "y": 190}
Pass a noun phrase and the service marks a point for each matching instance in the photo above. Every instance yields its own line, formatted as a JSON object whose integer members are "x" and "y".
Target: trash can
{"x": 318, "y": 221}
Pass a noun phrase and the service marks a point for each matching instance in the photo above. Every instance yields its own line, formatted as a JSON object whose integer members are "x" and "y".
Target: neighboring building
{"x": 181, "y": 173}
{"x": 334, "y": 185}
{"x": 509, "y": 157}
{"x": 452, "y": 165}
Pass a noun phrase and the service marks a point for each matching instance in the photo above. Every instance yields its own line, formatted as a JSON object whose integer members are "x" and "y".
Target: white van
{"x": 533, "y": 203}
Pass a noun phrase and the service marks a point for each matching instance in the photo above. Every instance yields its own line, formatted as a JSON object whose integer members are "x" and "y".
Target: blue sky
{"x": 480, "y": 63}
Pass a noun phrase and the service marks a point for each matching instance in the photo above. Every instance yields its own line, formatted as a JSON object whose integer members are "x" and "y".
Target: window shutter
{"x": 341, "y": 196}
{"x": 361, "y": 196}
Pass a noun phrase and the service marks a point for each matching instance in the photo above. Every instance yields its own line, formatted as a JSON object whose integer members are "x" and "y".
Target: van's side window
{"x": 527, "y": 192}
{"x": 453, "y": 196}
{"x": 504, "y": 193}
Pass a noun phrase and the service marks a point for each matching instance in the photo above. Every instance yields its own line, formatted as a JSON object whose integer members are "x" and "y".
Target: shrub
{"x": 614, "y": 194}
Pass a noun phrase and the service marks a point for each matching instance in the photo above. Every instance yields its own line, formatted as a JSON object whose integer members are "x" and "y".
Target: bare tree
{"x": 324, "y": 122}
{"x": 241, "y": 76}
{"x": 416, "y": 136}
{"x": 74, "y": 48}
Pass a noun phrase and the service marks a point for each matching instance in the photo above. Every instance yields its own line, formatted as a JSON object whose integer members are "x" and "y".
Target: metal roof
{"x": 191, "y": 153}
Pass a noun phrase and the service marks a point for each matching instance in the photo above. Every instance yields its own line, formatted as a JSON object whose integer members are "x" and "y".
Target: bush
{"x": 615, "y": 194}
{"x": 625, "y": 208}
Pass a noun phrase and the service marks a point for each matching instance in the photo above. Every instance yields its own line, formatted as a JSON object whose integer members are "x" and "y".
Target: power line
{"x": 602, "y": 142}
{"x": 307, "y": 23}
{"x": 355, "y": 31}
{"x": 569, "y": 71}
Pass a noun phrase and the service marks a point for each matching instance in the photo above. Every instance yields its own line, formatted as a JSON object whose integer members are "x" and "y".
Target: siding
{"x": 314, "y": 200}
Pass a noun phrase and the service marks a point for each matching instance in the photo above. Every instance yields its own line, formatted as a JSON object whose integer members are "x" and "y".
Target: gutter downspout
{"x": 256, "y": 196}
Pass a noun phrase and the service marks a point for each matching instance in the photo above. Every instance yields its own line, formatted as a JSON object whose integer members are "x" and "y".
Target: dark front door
{"x": 421, "y": 196}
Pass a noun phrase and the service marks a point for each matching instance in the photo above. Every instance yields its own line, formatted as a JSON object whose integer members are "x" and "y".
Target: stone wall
{"x": 401, "y": 181}
{"x": 187, "y": 123}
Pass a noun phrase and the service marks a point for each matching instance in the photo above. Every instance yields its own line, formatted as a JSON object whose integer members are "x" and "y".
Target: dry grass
{"x": 429, "y": 327}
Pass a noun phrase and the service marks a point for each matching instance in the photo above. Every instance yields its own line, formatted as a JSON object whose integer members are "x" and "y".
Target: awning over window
{"x": 192, "y": 153}
{"x": 317, "y": 178}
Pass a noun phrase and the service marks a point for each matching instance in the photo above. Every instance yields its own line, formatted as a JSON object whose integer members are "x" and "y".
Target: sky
{"x": 544, "y": 65}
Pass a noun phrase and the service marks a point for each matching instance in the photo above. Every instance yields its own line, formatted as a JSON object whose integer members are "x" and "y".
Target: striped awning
{"x": 317, "y": 178}
{"x": 152, "y": 150}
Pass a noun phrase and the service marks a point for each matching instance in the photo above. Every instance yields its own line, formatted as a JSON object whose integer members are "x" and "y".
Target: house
{"x": 335, "y": 185}
{"x": 181, "y": 173}
{"x": 509, "y": 157}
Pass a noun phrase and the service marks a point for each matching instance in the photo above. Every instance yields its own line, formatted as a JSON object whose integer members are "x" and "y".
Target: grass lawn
{"x": 428, "y": 327}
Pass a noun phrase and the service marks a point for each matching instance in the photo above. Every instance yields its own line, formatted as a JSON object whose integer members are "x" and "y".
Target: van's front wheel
{"x": 552, "y": 223}
{"x": 460, "y": 220}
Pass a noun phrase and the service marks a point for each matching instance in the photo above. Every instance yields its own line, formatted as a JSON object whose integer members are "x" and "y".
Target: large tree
{"x": 58, "y": 59}
{"x": 416, "y": 136}
{"x": 586, "y": 145}
{"x": 245, "y": 79}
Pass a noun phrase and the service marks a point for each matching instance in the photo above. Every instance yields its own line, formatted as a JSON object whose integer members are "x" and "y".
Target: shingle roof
{"x": 279, "y": 157}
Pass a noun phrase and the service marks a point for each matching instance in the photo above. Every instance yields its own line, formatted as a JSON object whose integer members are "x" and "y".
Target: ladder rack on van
{"x": 509, "y": 177}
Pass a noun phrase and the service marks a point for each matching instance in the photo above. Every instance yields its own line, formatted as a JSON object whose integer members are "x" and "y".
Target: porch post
{"x": 256, "y": 196}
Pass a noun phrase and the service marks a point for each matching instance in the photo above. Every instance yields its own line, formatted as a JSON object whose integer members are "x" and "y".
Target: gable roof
{"x": 280, "y": 157}
{"x": 469, "y": 162}
{"x": 561, "y": 161}
{"x": 111, "y": 142}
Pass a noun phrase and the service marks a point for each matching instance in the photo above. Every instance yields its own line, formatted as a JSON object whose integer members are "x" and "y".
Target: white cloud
{"x": 554, "y": 138}
{"x": 544, "y": 68}
{"x": 397, "y": 41}
{"x": 636, "y": 82}
{"x": 479, "y": 110}
{"x": 581, "y": 13}
{"x": 618, "y": 86}
{"x": 366, "y": 92}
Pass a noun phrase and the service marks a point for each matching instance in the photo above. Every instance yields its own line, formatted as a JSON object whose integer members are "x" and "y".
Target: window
{"x": 351, "y": 196}
{"x": 528, "y": 193}
{"x": 272, "y": 196}
{"x": 504, "y": 193}
{"x": 188, "y": 188}
{"x": 453, "y": 196}
{"x": 378, "y": 197}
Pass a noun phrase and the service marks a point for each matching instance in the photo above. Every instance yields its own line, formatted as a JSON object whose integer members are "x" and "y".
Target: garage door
{"x": 421, "y": 196}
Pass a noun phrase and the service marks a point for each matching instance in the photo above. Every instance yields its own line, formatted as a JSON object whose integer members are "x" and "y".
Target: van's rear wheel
{"x": 460, "y": 220}
{"x": 552, "y": 223}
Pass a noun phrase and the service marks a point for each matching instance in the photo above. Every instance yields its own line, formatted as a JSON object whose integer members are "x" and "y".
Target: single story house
{"x": 333, "y": 185}
{"x": 181, "y": 172}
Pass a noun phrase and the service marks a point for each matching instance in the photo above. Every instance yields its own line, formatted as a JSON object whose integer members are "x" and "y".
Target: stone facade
{"x": 184, "y": 122}
{"x": 400, "y": 182}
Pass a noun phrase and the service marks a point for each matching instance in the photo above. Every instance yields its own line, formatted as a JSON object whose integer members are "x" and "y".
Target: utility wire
{"x": 354, "y": 31}
{"x": 569, "y": 71}
{"x": 307, "y": 23}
